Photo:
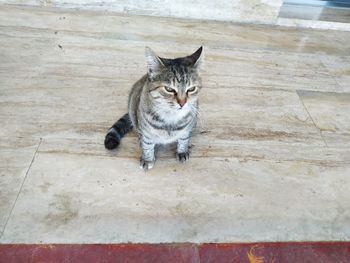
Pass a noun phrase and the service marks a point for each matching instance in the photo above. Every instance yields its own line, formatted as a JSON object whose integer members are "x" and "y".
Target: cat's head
{"x": 174, "y": 82}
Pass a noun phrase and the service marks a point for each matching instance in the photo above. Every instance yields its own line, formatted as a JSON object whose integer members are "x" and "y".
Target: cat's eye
{"x": 192, "y": 89}
{"x": 168, "y": 89}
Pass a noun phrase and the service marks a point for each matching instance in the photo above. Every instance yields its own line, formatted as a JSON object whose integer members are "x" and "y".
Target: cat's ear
{"x": 196, "y": 58}
{"x": 154, "y": 63}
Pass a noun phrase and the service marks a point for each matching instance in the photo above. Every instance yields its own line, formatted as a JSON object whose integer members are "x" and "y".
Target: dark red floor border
{"x": 293, "y": 252}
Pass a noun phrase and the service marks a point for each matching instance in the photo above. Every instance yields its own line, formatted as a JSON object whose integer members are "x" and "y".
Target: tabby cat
{"x": 163, "y": 106}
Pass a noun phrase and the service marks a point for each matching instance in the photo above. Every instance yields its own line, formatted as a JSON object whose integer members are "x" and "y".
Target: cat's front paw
{"x": 146, "y": 165}
{"x": 183, "y": 157}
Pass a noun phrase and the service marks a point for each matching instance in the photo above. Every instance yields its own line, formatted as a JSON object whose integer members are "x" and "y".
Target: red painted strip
{"x": 295, "y": 252}
{"x": 98, "y": 253}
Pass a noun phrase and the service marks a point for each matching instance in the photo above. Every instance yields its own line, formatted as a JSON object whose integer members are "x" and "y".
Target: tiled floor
{"x": 270, "y": 160}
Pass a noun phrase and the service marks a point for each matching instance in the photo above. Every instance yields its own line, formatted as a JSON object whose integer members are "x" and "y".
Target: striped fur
{"x": 117, "y": 131}
{"x": 162, "y": 106}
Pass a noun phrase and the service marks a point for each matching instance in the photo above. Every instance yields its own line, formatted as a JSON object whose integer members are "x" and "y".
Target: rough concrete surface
{"x": 261, "y": 11}
{"x": 270, "y": 157}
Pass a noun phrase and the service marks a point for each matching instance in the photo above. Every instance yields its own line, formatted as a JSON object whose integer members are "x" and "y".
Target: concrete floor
{"x": 271, "y": 156}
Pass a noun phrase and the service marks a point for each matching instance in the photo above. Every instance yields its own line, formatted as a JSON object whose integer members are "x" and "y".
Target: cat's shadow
{"x": 165, "y": 150}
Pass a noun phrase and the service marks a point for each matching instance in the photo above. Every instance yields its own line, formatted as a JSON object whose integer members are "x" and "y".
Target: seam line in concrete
{"x": 20, "y": 189}
{"x": 319, "y": 130}
{"x": 332, "y": 76}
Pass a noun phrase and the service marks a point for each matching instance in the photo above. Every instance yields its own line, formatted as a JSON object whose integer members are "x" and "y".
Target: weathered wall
{"x": 261, "y": 11}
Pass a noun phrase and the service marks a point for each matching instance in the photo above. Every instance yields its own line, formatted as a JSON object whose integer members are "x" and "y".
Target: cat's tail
{"x": 117, "y": 131}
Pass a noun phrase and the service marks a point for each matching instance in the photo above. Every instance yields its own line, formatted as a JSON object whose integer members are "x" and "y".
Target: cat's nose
{"x": 181, "y": 102}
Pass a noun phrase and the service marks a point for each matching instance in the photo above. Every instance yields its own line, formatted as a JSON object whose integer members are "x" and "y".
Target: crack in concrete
{"x": 20, "y": 189}
{"x": 319, "y": 130}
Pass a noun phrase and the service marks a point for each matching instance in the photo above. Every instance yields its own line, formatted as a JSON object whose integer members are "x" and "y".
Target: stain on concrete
{"x": 180, "y": 191}
{"x": 45, "y": 186}
{"x": 257, "y": 134}
{"x": 180, "y": 210}
{"x": 62, "y": 210}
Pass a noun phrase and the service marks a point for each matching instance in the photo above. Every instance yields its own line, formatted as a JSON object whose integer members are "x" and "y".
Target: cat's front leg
{"x": 183, "y": 153}
{"x": 147, "y": 158}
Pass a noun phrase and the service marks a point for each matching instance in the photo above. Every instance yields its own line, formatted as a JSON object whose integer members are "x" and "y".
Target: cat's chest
{"x": 163, "y": 132}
